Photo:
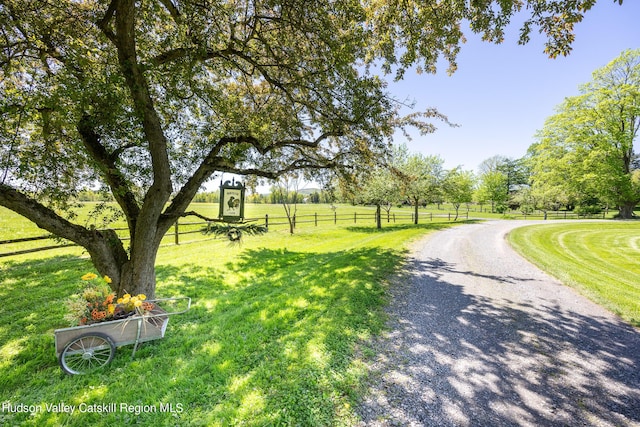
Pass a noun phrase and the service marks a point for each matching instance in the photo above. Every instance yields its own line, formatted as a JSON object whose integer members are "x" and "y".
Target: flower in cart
{"x": 98, "y": 314}
{"x": 93, "y": 304}
{"x": 130, "y": 303}
{"x": 98, "y": 303}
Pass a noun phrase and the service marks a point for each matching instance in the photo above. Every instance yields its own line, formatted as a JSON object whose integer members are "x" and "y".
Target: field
{"x": 601, "y": 260}
{"x": 12, "y": 226}
{"x": 276, "y": 334}
{"x": 316, "y": 216}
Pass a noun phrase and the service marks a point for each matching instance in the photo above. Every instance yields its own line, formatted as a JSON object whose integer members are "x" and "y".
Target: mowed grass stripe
{"x": 592, "y": 260}
{"x": 601, "y": 260}
{"x": 612, "y": 246}
{"x": 589, "y": 260}
{"x": 630, "y": 248}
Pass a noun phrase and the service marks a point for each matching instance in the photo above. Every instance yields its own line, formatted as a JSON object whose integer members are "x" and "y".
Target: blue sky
{"x": 501, "y": 94}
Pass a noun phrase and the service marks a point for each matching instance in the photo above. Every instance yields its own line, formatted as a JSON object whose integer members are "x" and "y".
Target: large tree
{"x": 515, "y": 171}
{"x": 150, "y": 99}
{"x": 587, "y": 147}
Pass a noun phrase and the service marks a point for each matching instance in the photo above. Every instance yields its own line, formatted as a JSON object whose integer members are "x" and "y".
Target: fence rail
{"x": 187, "y": 228}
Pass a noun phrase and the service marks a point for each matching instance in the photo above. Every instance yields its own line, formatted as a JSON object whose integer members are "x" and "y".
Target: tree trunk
{"x": 139, "y": 276}
{"x": 415, "y": 217}
{"x": 292, "y": 224}
{"x": 626, "y": 211}
{"x": 378, "y": 217}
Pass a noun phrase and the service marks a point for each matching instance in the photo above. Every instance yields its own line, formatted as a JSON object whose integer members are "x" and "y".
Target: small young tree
{"x": 458, "y": 188}
{"x": 379, "y": 188}
{"x": 286, "y": 190}
{"x": 493, "y": 188}
{"x": 420, "y": 177}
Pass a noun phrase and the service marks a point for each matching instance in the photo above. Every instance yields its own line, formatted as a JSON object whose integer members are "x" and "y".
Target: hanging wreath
{"x": 234, "y": 232}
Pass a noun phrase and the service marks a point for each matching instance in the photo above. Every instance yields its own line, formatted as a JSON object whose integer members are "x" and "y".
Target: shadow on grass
{"x": 32, "y": 295}
{"x": 461, "y": 359}
{"x": 390, "y": 227}
{"x": 270, "y": 340}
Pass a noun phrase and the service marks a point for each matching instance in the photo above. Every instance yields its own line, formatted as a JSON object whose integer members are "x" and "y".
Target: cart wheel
{"x": 86, "y": 353}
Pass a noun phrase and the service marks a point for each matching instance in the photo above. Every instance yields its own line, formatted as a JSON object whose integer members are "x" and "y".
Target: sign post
{"x": 231, "y": 201}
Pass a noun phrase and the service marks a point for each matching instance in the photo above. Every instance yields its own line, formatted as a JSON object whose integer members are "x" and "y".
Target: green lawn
{"x": 278, "y": 328}
{"x": 276, "y": 334}
{"x": 601, "y": 260}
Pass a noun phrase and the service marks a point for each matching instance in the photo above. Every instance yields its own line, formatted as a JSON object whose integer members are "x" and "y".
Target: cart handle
{"x": 188, "y": 299}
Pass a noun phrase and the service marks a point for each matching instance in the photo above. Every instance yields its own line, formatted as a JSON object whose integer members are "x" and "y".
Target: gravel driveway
{"x": 480, "y": 337}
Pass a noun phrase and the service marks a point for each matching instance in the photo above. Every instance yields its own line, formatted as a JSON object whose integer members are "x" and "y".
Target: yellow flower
{"x": 119, "y": 300}
{"x": 107, "y": 279}
{"x": 142, "y": 297}
{"x": 89, "y": 276}
{"x": 137, "y": 303}
{"x": 111, "y": 308}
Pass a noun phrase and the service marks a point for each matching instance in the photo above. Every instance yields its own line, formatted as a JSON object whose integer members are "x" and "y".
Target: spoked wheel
{"x": 87, "y": 353}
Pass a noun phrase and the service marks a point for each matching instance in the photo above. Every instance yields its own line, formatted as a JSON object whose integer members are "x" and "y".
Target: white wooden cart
{"x": 83, "y": 349}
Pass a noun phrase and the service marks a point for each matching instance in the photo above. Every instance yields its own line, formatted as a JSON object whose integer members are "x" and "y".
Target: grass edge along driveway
{"x": 601, "y": 260}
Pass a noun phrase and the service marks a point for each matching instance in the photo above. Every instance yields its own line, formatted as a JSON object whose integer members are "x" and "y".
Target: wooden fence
{"x": 181, "y": 229}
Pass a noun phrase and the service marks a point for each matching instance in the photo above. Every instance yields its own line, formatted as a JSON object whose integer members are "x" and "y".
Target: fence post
{"x": 355, "y": 217}
{"x": 266, "y": 221}
{"x": 431, "y": 216}
{"x": 449, "y": 216}
{"x": 315, "y": 217}
{"x": 176, "y": 233}
{"x": 335, "y": 217}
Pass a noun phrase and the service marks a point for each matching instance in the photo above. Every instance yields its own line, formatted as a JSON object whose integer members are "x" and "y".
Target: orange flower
{"x": 98, "y": 315}
{"x": 147, "y": 306}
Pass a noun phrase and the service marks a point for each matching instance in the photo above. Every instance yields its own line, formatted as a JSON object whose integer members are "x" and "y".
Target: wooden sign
{"x": 231, "y": 201}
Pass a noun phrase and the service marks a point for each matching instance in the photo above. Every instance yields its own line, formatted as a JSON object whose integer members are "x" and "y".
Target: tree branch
{"x": 214, "y": 163}
{"x": 104, "y": 246}
{"x": 173, "y": 10}
{"x": 198, "y": 215}
{"x": 103, "y": 24}
{"x": 106, "y": 162}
